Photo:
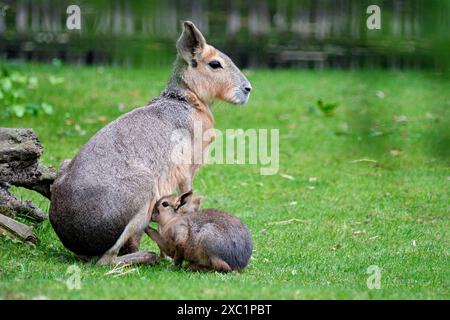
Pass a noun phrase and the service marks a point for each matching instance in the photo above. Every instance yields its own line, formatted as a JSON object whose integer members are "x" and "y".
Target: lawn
{"x": 368, "y": 184}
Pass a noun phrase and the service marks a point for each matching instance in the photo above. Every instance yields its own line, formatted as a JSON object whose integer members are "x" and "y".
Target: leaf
{"x": 380, "y": 94}
{"x": 286, "y": 176}
{"x": 396, "y": 152}
{"x": 327, "y": 108}
{"x": 17, "y": 94}
{"x": 4, "y": 72}
{"x": 57, "y": 62}
{"x": 287, "y": 221}
{"x": 47, "y": 108}
{"x": 17, "y": 77}
{"x": 32, "y": 108}
{"x": 6, "y": 84}
{"x": 18, "y": 110}
{"x": 32, "y": 82}
{"x": 364, "y": 160}
{"x": 55, "y": 80}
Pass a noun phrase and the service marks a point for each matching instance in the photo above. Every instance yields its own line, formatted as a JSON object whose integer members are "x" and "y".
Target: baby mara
{"x": 210, "y": 240}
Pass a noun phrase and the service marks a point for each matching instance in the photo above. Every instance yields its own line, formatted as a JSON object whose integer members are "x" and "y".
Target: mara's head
{"x": 168, "y": 207}
{"x": 164, "y": 209}
{"x": 206, "y": 71}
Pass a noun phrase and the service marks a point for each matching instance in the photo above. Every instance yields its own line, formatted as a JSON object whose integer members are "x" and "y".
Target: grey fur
{"x": 114, "y": 174}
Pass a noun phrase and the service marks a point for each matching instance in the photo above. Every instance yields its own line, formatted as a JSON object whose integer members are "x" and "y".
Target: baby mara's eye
{"x": 165, "y": 204}
{"x": 215, "y": 64}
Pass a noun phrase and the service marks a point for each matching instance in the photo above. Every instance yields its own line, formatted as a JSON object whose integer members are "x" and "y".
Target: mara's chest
{"x": 204, "y": 131}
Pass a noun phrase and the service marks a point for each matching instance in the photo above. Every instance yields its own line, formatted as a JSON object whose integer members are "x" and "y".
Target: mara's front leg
{"x": 132, "y": 245}
{"x": 134, "y": 228}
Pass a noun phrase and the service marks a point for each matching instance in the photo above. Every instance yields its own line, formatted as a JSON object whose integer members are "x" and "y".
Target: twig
{"x": 364, "y": 160}
{"x": 287, "y": 221}
{"x": 119, "y": 270}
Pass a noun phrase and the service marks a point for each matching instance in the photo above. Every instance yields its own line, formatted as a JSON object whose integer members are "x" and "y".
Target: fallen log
{"x": 17, "y": 230}
{"x": 20, "y": 150}
{"x": 11, "y": 206}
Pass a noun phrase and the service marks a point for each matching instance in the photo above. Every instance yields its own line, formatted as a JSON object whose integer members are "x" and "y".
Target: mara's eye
{"x": 215, "y": 64}
{"x": 165, "y": 204}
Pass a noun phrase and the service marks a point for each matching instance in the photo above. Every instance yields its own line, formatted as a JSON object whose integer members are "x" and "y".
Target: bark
{"x": 17, "y": 230}
{"x": 20, "y": 150}
{"x": 11, "y": 206}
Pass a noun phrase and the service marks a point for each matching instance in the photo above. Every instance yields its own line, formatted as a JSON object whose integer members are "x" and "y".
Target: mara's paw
{"x": 143, "y": 258}
{"x": 107, "y": 260}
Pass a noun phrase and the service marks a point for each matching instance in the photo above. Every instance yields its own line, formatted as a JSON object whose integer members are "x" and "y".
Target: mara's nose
{"x": 248, "y": 89}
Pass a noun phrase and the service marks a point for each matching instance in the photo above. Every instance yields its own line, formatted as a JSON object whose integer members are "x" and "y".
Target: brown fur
{"x": 206, "y": 239}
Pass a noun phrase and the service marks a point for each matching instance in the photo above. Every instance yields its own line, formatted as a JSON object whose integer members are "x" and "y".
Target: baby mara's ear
{"x": 189, "y": 203}
{"x": 185, "y": 198}
{"x": 197, "y": 201}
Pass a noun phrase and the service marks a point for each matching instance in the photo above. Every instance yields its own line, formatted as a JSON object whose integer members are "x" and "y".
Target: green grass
{"x": 392, "y": 211}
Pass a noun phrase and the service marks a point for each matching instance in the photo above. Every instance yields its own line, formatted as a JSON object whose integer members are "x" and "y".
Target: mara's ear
{"x": 191, "y": 42}
{"x": 189, "y": 203}
{"x": 185, "y": 198}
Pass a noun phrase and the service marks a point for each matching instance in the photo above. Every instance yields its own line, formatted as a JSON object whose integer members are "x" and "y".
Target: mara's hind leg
{"x": 141, "y": 257}
{"x": 131, "y": 246}
{"x": 135, "y": 227}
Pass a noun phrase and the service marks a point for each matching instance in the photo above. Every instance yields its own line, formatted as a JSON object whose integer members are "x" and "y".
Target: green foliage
{"x": 327, "y": 108}
{"x": 14, "y": 90}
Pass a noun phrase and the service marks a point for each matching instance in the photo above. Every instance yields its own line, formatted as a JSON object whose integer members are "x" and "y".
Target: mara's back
{"x": 222, "y": 235}
{"x": 115, "y": 173}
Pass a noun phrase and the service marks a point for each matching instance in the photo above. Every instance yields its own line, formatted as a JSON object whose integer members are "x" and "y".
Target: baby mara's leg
{"x": 198, "y": 268}
{"x": 216, "y": 264}
{"x": 178, "y": 257}
{"x": 155, "y": 236}
{"x": 176, "y": 251}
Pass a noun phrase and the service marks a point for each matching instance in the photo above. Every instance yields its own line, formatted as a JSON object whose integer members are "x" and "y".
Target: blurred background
{"x": 266, "y": 33}
{"x": 298, "y": 37}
